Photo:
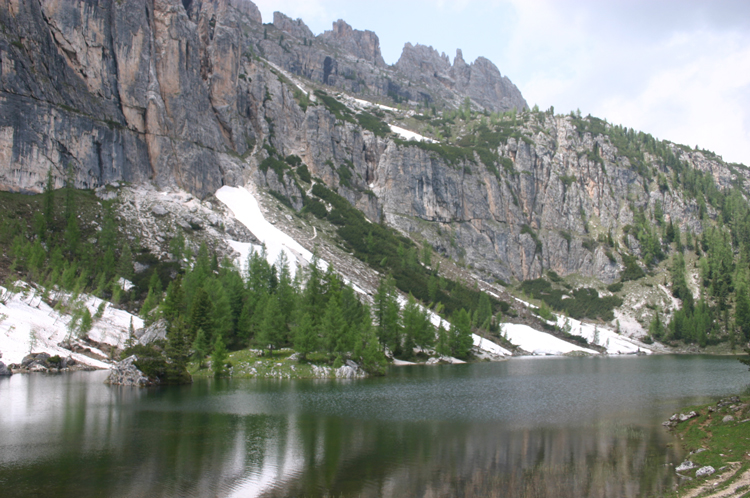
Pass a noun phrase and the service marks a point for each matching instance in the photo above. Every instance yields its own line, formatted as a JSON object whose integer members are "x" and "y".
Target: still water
{"x": 537, "y": 427}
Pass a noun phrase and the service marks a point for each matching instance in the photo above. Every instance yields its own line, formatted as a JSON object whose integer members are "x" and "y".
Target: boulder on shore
{"x": 5, "y": 371}
{"x": 126, "y": 373}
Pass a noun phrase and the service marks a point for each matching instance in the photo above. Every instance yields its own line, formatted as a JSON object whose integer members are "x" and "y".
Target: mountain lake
{"x": 536, "y": 427}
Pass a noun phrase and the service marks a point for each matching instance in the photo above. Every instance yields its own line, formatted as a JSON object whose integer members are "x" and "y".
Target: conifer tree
{"x": 368, "y": 349}
{"x": 125, "y": 264}
{"x": 219, "y": 357}
{"x": 305, "y": 336}
{"x": 442, "y": 347}
{"x": 221, "y": 312}
{"x": 174, "y": 302}
{"x": 176, "y": 351}
{"x": 484, "y": 312}
{"x": 334, "y": 329}
{"x": 200, "y": 347}
{"x": 656, "y": 329}
{"x": 387, "y": 316}
{"x": 49, "y": 201}
{"x": 461, "y": 340}
{"x": 201, "y": 316}
{"x": 742, "y": 311}
{"x": 271, "y": 330}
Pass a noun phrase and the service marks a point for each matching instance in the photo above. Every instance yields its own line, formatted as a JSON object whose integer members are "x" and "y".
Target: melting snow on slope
{"x": 607, "y": 338}
{"x": 613, "y": 342}
{"x": 479, "y": 342}
{"x": 247, "y": 211}
{"x": 410, "y": 135}
{"x": 25, "y": 312}
{"x": 539, "y": 343}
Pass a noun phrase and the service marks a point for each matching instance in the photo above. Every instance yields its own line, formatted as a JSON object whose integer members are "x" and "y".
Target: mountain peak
{"x": 361, "y": 44}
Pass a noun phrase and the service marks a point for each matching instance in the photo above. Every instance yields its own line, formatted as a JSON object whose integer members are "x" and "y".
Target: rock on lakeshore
{"x": 125, "y": 373}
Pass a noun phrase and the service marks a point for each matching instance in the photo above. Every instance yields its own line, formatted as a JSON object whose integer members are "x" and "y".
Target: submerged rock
{"x": 125, "y": 373}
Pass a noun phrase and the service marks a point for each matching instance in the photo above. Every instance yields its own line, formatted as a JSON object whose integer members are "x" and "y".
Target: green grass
{"x": 727, "y": 444}
{"x": 249, "y": 364}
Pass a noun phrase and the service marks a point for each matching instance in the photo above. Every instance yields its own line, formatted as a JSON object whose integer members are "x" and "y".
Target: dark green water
{"x": 547, "y": 427}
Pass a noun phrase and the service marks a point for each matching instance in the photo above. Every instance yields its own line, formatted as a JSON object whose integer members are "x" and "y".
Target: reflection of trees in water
{"x": 441, "y": 459}
{"x": 204, "y": 440}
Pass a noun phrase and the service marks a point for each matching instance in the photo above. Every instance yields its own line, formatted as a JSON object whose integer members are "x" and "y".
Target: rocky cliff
{"x": 197, "y": 95}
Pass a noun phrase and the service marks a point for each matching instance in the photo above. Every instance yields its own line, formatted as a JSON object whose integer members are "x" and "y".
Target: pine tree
{"x": 125, "y": 265}
{"x": 442, "y": 347}
{"x": 484, "y": 312}
{"x": 176, "y": 351}
{"x": 200, "y": 347}
{"x": 305, "y": 336}
{"x": 219, "y": 357}
{"x": 201, "y": 316}
{"x": 656, "y": 329}
{"x": 221, "y": 311}
{"x": 387, "y": 316}
{"x": 368, "y": 349}
{"x": 334, "y": 329}
{"x": 49, "y": 201}
{"x": 174, "y": 302}
{"x": 271, "y": 330}
{"x": 742, "y": 312}
{"x": 461, "y": 340}
{"x": 417, "y": 328}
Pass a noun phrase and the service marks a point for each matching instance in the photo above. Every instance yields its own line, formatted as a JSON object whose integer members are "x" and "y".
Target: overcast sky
{"x": 679, "y": 70}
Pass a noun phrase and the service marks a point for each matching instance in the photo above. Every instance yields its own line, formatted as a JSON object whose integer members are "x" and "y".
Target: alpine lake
{"x": 531, "y": 427}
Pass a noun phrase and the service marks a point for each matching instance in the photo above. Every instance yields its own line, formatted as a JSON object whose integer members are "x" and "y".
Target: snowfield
{"x": 613, "y": 342}
{"x": 538, "y": 343}
{"x": 26, "y": 319}
{"x": 410, "y": 135}
{"x": 247, "y": 211}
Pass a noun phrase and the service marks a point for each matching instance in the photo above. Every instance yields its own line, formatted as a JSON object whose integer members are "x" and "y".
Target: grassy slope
{"x": 727, "y": 445}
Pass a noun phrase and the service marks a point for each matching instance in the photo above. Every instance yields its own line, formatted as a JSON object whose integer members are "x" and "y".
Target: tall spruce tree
{"x": 461, "y": 340}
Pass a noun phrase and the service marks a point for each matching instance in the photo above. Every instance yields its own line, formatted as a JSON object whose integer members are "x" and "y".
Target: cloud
{"x": 679, "y": 74}
{"x": 677, "y": 70}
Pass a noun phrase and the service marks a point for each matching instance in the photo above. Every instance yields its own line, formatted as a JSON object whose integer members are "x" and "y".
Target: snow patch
{"x": 410, "y": 135}
{"x": 539, "y": 343}
{"x": 247, "y": 211}
{"x": 613, "y": 342}
{"x": 26, "y": 319}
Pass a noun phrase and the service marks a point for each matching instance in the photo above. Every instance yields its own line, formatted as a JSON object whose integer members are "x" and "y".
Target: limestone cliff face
{"x": 159, "y": 90}
{"x": 562, "y": 193}
{"x": 189, "y": 94}
{"x": 350, "y": 60}
{"x": 481, "y": 81}
{"x": 122, "y": 90}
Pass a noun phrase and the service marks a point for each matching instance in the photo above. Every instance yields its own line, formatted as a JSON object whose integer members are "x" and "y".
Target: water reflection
{"x": 552, "y": 427}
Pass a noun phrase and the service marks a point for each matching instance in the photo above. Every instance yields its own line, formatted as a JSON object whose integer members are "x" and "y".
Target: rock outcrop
{"x": 157, "y": 331}
{"x": 4, "y": 370}
{"x": 125, "y": 373}
{"x": 481, "y": 81}
{"x": 361, "y": 44}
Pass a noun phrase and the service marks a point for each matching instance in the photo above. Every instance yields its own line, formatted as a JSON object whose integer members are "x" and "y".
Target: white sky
{"x": 678, "y": 69}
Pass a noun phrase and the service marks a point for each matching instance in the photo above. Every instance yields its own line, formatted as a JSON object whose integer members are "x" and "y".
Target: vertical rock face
{"x": 361, "y": 44}
{"x": 162, "y": 90}
{"x": 121, "y": 90}
{"x": 481, "y": 80}
{"x": 296, "y": 28}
